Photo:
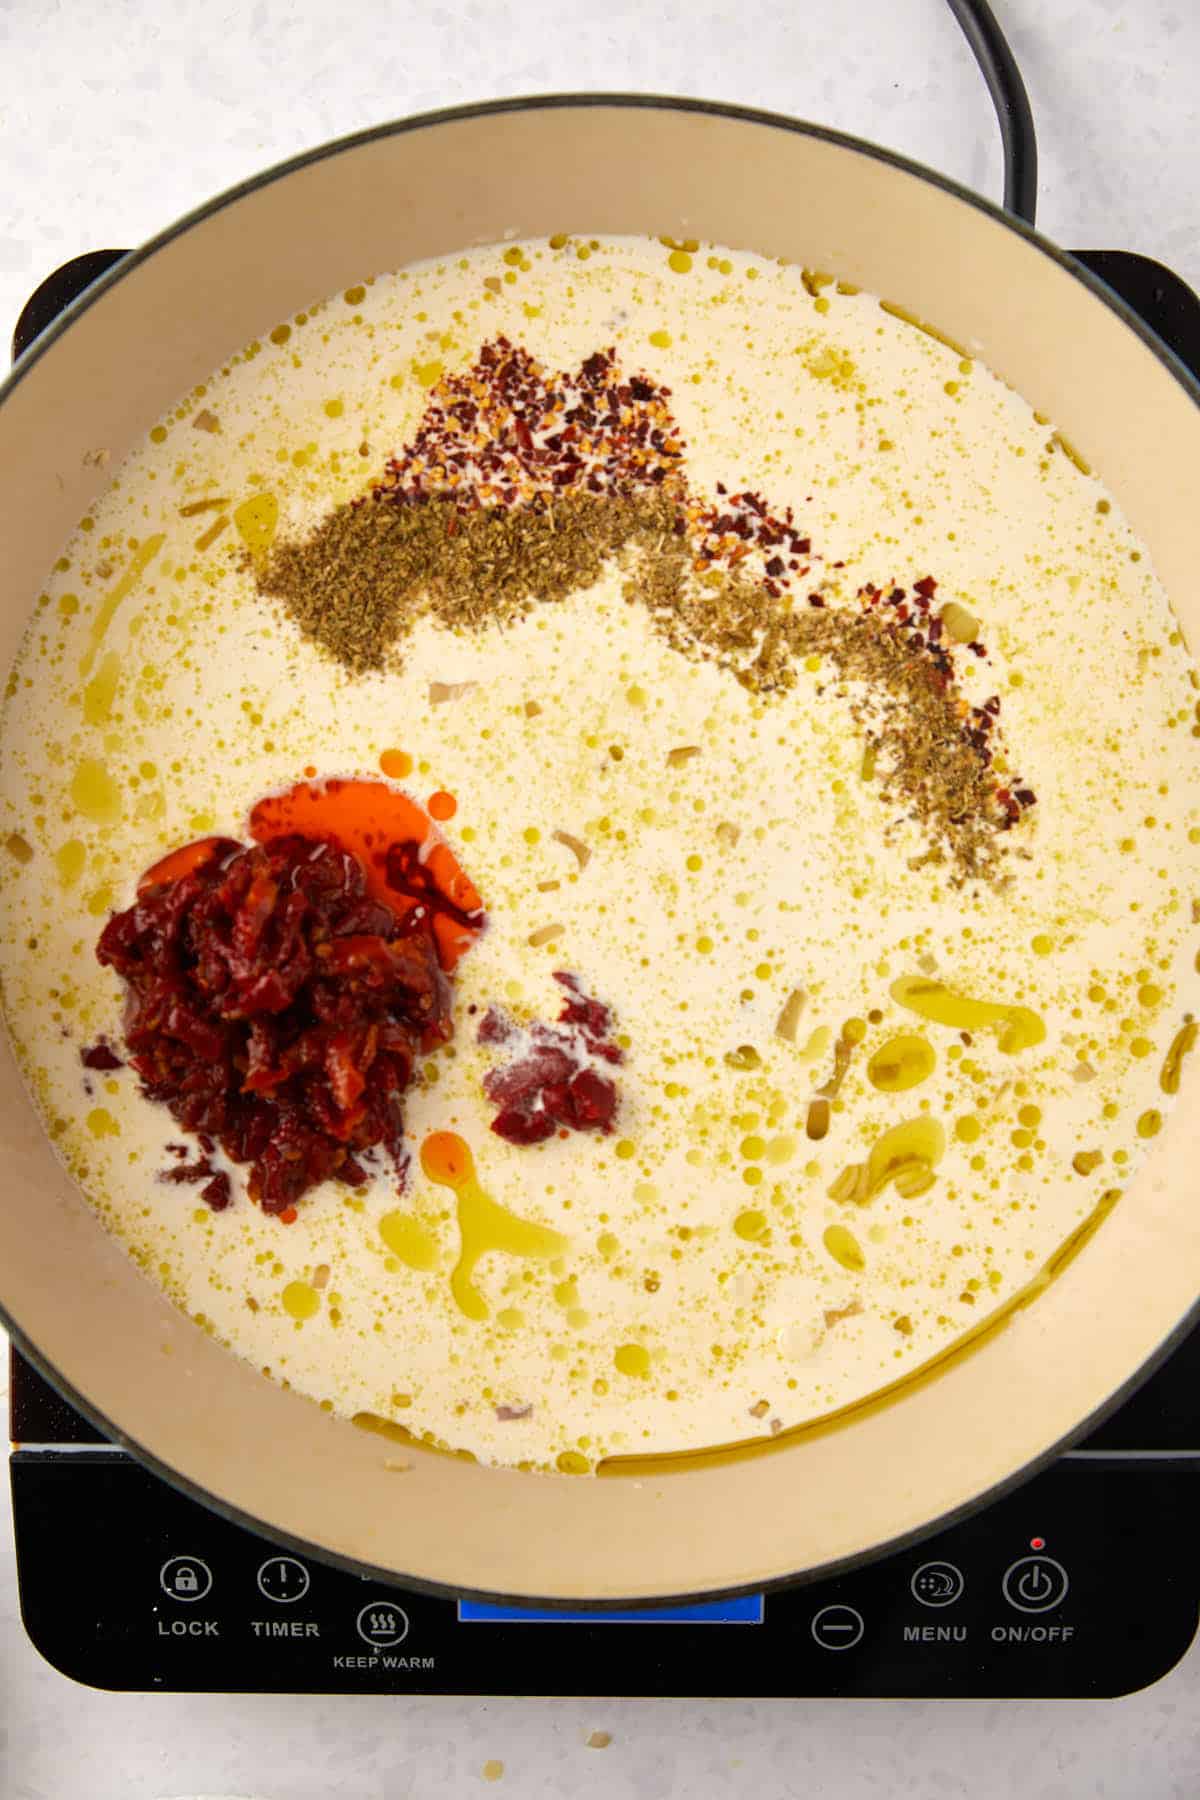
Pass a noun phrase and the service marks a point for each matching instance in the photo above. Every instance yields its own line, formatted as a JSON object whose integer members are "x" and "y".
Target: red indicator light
{"x": 1037, "y": 1543}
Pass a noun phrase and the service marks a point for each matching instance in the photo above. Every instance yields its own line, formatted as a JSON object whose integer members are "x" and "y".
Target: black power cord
{"x": 1004, "y": 82}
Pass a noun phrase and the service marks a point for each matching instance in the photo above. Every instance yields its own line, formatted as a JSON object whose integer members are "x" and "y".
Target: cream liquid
{"x": 707, "y": 1287}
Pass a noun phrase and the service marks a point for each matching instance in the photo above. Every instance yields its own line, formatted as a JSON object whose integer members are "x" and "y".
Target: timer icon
{"x": 937, "y": 1584}
{"x": 283, "y": 1579}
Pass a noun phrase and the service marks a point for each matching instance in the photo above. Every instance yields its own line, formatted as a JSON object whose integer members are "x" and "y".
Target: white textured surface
{"x": 116, "y": 118}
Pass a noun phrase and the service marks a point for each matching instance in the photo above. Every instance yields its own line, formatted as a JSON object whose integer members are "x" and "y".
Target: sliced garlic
{"x": 576, "y": 846}
{"x": 788, "y": 1022}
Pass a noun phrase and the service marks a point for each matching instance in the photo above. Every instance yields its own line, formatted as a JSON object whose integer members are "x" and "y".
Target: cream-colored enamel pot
{"x": 886, "y": 1472}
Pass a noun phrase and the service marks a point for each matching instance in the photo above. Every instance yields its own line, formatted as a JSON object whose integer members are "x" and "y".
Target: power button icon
{"x": 1034, "y": 1584}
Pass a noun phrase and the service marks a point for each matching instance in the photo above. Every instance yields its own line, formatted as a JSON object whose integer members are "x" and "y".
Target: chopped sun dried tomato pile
{"x": 552, "y": 1085}
{"x": 276, "y": 1008}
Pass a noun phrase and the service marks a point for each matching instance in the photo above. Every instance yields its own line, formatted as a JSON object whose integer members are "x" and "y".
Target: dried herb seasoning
{"x": 360, "y": 582}
{"x": 520, "y": 487}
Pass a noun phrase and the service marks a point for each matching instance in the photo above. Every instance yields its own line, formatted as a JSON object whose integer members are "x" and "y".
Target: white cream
{"x": 198, "y": 699}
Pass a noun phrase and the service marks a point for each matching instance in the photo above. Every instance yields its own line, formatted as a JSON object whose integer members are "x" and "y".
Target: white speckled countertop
{"x": 116, "y": 118}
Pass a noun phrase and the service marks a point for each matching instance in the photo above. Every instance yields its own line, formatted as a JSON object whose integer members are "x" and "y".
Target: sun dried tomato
{"x": 277, "y": 1009}
{"x": 553, "y": 1085}
{"x": 217, "y": 1192}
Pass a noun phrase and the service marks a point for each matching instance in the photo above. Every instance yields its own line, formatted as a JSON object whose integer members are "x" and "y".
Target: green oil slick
{"x": 906, "y": 1155}
{"x": 902, "y": 1063}
{"x": 396, "y": 1433}
{"x": 633, "y": 1360}
{"x": 94, "y": 793}
{"x": 142, "y": 557}
{"x": 1017, "y": 1027}
{"x": 255, "y": 522}
{"x": 101, "y": 690}
{"x": 408, "y": 1239}
{"x": 69, "y": 860}
{"x": 300, "y": 1301}
{"x": 722, "y": 1455}
{"x": 484, "y": 1225}
{"x": 844, "y": 1248}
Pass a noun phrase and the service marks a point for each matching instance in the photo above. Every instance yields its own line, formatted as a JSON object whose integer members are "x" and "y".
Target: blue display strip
{"x": 747, "y": 1609}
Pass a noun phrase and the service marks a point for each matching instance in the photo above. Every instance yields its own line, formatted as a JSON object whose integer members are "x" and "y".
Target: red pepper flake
{"x": 744, "y": 524}
{"x": 507, "y": 432}
{"x": 99, "y": 1056}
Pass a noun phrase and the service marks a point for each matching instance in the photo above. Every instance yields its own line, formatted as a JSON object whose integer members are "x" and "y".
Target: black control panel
{"x": 1086, "y": 1582}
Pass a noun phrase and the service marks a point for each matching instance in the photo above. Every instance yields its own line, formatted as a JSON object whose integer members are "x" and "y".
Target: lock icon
{"x": 185, "y": 1578}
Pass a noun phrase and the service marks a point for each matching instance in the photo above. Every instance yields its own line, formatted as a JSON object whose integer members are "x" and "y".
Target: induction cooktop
{"x": 1085, "y": 1581}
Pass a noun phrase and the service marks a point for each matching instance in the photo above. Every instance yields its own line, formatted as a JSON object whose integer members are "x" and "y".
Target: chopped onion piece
{"x": 440, "y": 691}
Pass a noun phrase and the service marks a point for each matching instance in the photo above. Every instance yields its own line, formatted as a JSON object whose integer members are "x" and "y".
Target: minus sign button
{"x": 837, "y": 1627}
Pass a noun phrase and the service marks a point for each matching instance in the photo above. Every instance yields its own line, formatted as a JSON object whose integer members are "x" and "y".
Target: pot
{"x": 944, "y": 1440}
